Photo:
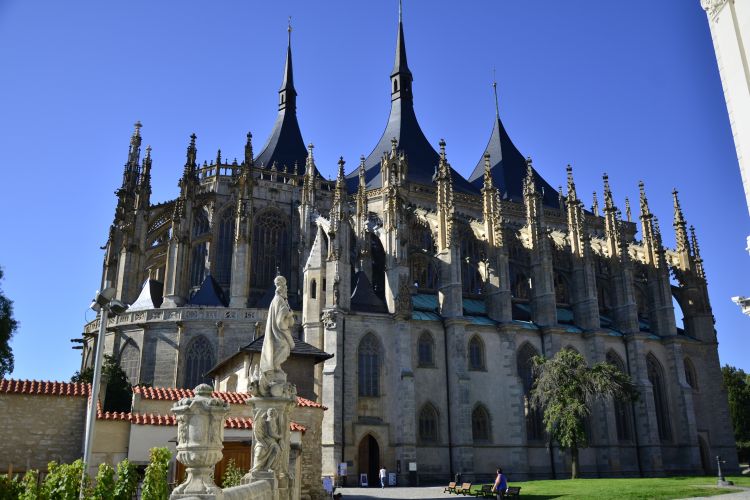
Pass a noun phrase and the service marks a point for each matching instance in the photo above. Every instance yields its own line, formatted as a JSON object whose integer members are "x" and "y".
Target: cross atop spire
{"x": 287, "y": 94}
{"x": 494, "y": 90}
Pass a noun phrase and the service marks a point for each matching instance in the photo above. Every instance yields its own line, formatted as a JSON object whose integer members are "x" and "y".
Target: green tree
{"x": 105, "y": 483}
{"x": 232, "y": 475}
{"x": 10, "y": 487}
{"x": 566, "y": 388}
{"x": 8, "y": 326}
{"x": 155, "y": 485}
{"x": 127, "y": 480}
{"x": 63, "y": 481}
{"x": 737, "y": 384}
{"x": 119, "y": 391}
{"x": 30, "y": 483}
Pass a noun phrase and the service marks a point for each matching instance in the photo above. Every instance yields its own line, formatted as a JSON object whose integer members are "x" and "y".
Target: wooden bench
{"x": 485, "y": 491}
{"x": 451, "y": 488}
{"x": 512, "y": 492}
{"x": 465, "y": 489}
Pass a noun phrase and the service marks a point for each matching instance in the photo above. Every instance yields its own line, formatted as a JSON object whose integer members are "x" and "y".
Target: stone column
{"x": 271, "y": 438}
{"x": 200, "y": 432}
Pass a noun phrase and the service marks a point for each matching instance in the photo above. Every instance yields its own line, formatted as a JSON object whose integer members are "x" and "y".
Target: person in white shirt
{"x": 382, "y": 477}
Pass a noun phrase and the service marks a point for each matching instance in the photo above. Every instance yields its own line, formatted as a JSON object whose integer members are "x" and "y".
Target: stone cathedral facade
{"x": 432, "y": 291}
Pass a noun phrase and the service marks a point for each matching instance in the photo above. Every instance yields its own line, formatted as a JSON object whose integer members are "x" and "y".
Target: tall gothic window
{"x": 519, "y": 284}
{"x": 656, "y": 377}
{"x": 270, "y": 248}
{"x": 368, "y": 356}
{"x": 420, "y": 238}
{"x": 562, "y": 293}
{"x": 200, "y": 222}
{"x": 476, "y": 354}
{"x": 690, "y": 376}
{"x": 524, "y": 364}
{"x": 198, "y": 360}
{"x": 623, "y": 420}
{"x": 423, "y": 271}
{"x": 426, "y": 350}
{"x": 130, "y": 358}
{"x": 471, "y": 255}
{"x": 198, "y": 264}
{"x": 480, "y": 424}
{"x": 224, "y": 248}
{"x": 428, "y": 424}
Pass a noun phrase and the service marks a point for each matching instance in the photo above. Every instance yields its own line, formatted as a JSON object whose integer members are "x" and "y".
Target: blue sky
{"x": 627, "y": 88}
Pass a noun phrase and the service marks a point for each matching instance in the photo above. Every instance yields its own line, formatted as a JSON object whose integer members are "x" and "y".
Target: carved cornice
{"x": 713, "y": 7}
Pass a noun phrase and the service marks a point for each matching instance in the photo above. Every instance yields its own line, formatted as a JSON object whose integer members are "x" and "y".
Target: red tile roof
{"x": 235, "y": 398}
{"x": 158, "y": 419}
{"x": 45, "y": 388}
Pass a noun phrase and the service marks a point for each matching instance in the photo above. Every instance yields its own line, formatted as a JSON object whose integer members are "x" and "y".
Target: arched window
{"x": 395, "y": 85}
{"x": 270, "y": 248}
{"x": 480, "y": 424}
{"x": 313, "y": 289}
{"x": 423, "y": 271}
{"x": 426, "y": 350}
{"x": 223, "y": 256}
{"x": 420, "y": 238}
{"x": 471, "y": 256}
{"x": 130, "y": 358}
{"x": 525, "y": 367}
{"x": 690, "y": 376}
{"x": 428, "y": 424}
{"x": 622, "y": 409}
{"x": 656, "y": 377}
{"x": 199, "y": 359}
{"x": 200, "y": 222}
{"x": 198, "y": 264}
{"x": 562, "y": 294}
{"x": 476, "y": 354}
{"x": 520, "y": 284}
{"x": 369, "y": 366}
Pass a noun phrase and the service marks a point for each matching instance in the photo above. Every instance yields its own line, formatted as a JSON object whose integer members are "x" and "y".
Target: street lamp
{"x": 103, "y": 303}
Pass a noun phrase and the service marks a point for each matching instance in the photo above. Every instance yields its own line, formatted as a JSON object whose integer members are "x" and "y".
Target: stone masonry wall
{"x": 36, "y": 429}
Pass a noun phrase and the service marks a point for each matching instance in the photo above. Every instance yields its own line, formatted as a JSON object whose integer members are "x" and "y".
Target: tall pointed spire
{"x": 497, "y": 103}
{"x": 401, "y": 77}
{"x": 680, "y": 226}
{"x": 285, "y": 145}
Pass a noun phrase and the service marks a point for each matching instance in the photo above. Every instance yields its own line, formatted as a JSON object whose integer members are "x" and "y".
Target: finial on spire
{"x": 644, "y": 201}
{"x": 400, "y": 12}
{"x": 249, "y": 150}
{"x": 442, "y": 149}
{"x": 494, "y": 89}
{"x": 394, "y": 143}
{"x": 137, "y": 126}
{"x": 341, "y": 169}
{"x": 627, "y": 210}
{"x": 487, "y": 165}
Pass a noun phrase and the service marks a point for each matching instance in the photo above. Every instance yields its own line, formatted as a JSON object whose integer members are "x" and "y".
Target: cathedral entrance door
{"x": 369, "y": 459}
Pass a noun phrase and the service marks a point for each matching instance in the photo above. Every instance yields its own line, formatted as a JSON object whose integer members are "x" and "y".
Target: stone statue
{"x": 267, "y": 450}
{"x": 278, "y": 341}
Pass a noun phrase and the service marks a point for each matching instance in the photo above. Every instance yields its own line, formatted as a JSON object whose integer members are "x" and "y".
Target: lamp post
{"x": 103, "y": 303}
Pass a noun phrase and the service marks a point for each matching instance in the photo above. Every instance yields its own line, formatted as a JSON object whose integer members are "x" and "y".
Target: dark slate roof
{"x": 301, "y": 348}
{"x": 364, "y": 298}
{"x": 403, "y": 126}
{"x": 509, "y": 169}
{"x": 209, "y": 294}
{"x": 285, "y": 145}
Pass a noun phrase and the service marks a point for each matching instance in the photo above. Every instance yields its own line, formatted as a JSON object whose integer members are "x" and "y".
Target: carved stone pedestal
{"x": 271, "y": 438}
{"x": 200, "y": 432}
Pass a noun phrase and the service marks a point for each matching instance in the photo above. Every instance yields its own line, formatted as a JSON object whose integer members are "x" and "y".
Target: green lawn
{"x": 630, "y": 489}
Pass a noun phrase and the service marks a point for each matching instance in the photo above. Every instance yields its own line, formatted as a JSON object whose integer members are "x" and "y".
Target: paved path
{"x": 422, "y": 493}
{"x": 436, "y": 493}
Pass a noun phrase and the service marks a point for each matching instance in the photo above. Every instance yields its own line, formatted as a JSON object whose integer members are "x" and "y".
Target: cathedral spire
{"x": 696, "y": 254}
{"x": 249, "y": 150}
{"x": 287, "y": 93}
{"x": 680, "y": 226}
{"x": 401, "y": 77}
{"x": 131, "y": 170}
{"x": 144, "y": 183}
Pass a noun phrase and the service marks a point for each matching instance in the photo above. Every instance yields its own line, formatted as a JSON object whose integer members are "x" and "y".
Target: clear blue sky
{"x": 630, "y": 88}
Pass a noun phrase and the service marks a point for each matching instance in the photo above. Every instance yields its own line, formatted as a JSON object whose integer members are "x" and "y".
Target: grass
{"x": 662, "y": 488}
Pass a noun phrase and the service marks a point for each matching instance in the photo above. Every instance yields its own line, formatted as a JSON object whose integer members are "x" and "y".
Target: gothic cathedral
{"x": 432, "y": 291}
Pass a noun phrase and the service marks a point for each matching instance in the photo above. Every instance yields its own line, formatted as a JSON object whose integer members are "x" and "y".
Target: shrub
{"x": 105, "y": 483}
{"x": 155, "y": 485}
{"x": 127, "y": 480}
{"x": 10, "y": 488}
{"x": 232, "y": 475}
{"x": 30, "y": 483}
{"x": 63, "y": 481}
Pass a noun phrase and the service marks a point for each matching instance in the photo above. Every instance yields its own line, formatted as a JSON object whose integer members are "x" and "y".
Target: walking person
{"x": 382, "y": 474}
{"x": 501, "y": 484}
